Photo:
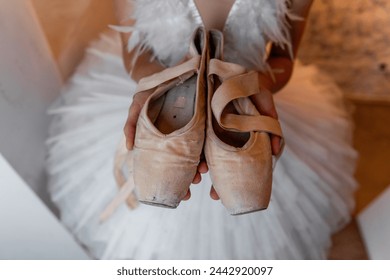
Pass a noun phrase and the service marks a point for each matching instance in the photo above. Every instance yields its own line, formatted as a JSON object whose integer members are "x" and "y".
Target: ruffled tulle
{"x": 313, "y": 180}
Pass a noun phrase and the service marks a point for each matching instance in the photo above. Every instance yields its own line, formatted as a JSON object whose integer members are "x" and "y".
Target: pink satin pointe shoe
{"x": 171, "y": 128}
{"x": 237, "y": 145}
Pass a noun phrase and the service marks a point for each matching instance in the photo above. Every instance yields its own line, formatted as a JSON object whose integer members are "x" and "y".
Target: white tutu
{"x": 313, "y": 181}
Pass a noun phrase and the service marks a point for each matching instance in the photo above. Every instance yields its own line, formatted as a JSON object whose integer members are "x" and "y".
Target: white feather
{"x": 250, "y": 27}
{"x": 165, "y": 28}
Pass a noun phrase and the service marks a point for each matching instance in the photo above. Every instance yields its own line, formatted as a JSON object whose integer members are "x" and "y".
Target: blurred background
{"x": 348, "y": 39}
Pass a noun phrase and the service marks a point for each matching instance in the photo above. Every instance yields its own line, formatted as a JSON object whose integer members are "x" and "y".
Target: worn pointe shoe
{"x": 170, "y": 130}
{"x": 237, "y": 145}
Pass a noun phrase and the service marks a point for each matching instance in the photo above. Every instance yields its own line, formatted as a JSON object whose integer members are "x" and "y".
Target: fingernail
{"x": 128, "y": 145}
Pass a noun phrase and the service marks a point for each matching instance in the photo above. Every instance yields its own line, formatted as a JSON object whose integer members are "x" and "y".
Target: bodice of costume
{"x": 166, "y": 27}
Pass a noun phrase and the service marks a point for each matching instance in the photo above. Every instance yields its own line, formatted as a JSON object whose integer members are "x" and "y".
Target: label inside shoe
{"x": 180, "y": 102}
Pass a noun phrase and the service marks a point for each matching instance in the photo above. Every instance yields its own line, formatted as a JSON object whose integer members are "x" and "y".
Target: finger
{"x": 202, "y": 167}
{"x": 129, "y": 132}
{"x": 131, "y": 123}
{"x": 213, "y": 194}
{"x": 197, "y": 179}
{"x": 188, "y": 196}
{"x": 264, "y": 103}
{"x": 275, "y": 144}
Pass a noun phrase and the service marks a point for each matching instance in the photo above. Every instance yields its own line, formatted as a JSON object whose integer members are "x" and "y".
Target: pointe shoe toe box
{"x": 250, "y": 190}
{"x": 164, "y": 166}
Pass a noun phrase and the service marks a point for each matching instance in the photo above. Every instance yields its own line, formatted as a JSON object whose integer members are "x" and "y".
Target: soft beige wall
{"x": 350, "y": 40}
{"x": 70, "y": 25}
{"x": 29, "y": 82}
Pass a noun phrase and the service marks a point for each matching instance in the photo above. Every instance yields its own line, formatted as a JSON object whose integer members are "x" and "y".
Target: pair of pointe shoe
{"x": 203, "y": 106}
